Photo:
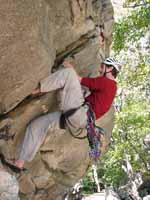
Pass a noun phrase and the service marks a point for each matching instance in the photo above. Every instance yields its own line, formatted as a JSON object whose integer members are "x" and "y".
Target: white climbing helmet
{"x": 113, "y": 62}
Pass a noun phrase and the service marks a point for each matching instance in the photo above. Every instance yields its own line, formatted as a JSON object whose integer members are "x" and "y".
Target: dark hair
{"x": 114, "y": 72}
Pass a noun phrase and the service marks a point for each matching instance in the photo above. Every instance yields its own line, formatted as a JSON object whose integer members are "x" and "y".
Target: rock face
{"x": 36, "y": 36}
{"x": 9, "y": 187}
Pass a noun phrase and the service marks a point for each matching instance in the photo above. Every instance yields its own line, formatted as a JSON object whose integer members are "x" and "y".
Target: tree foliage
{"x": 131, "y": 46}
{"x": 131, "y": 28}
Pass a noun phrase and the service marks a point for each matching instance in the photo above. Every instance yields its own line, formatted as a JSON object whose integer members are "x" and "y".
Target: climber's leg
{"x": 70, "y": 97}
{"x": 35, "y": 134}
{"x": 66, "y": 80}
{"x": 70, "y": 94}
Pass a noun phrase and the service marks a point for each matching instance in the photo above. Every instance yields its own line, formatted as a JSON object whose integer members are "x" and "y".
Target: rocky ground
{"x": 96, "y": 196}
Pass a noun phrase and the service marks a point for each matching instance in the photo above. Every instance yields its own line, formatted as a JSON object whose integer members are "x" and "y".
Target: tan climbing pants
{"x": 71, "y": 96}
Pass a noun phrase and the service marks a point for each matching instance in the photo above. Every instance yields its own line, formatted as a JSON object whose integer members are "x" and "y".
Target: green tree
{"x": 131, "y": 46}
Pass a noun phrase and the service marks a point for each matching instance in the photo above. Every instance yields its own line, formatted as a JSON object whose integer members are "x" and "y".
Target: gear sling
{"x": 93, "y": 132}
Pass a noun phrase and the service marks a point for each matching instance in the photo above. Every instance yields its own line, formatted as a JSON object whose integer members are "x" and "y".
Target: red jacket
{"x": 103, "y": 91}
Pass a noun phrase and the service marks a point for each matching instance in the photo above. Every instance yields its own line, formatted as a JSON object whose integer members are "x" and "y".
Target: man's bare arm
{"x": 36, "y": 91}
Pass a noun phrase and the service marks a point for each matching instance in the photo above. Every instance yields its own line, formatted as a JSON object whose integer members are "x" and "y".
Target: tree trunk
{"x": 95, "y": 175}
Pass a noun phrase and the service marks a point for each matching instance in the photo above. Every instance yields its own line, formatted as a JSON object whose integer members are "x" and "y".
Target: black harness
{"x": 64, "y": 116}
{"x": 64, "y": 119}
{"x": 63, "y": 123}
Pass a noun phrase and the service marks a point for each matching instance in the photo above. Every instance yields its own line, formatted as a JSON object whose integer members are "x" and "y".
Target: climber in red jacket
{"x": 103, "y": 90}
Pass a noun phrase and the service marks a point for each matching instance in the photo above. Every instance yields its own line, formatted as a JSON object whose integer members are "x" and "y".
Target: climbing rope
{"x": 94, "y": 135}
{"x": 93, "y": 132}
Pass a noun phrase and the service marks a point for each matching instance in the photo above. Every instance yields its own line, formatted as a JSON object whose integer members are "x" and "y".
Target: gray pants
{"x": 71, "y": 96}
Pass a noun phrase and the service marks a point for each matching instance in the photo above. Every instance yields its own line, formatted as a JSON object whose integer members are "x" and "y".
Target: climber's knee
{"x": 69, "y": 71}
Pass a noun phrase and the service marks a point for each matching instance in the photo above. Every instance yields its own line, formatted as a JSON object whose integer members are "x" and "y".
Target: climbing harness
{"x": 65, "y": 115}
{"x": 64, "y": 120}
{"x": 93, "y": 132}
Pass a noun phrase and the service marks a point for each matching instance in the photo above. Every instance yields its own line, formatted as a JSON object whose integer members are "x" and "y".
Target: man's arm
{"x": 91, "y": 83}
{"x": 96, "y": 83}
